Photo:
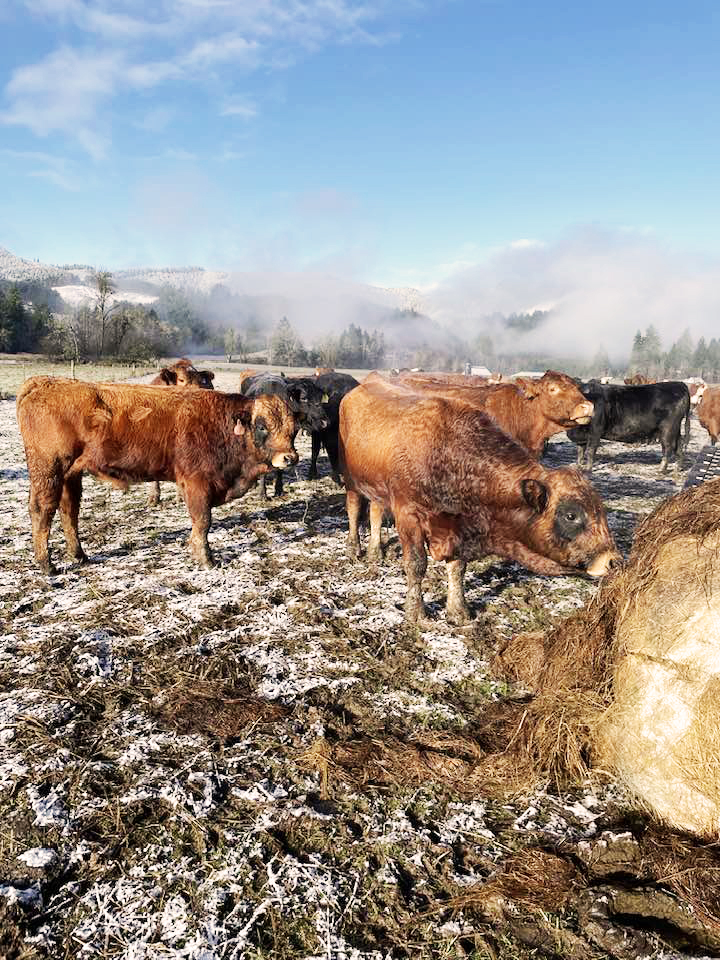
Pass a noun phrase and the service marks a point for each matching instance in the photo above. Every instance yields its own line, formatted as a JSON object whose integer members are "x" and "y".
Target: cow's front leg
{"x": 69, "y": 513}
{"x": 590, "y": 451}
{"x": 314, "y": 454}
{"x": 457, "y": 611}
{"x": 353, "y": 505}
{"x": 374, "y": 551}
{"x": 154, "y": 495}
{"x": 198, "y": 505}
{"x": 278, "y": 483}
{"x": 263, "y": 487}
{"x": 415, "y": 562}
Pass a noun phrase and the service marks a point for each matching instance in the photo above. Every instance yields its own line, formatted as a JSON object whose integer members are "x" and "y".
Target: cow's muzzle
{"x": 603, "y": 563}
{"x": 582, "y": 413}
{"x": 282, "y": 460}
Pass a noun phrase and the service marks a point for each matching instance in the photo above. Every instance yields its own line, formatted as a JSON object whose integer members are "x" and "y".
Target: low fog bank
{"x": 597, "y": 287}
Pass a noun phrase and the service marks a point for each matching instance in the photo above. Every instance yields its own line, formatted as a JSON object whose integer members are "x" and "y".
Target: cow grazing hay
{"x": 631, "y": 683}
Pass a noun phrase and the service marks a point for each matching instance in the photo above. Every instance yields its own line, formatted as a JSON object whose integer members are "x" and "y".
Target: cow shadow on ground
{"x": 14, "y": 474}
{"x": 325, "y": 511}
{"x": 613, "y": 486}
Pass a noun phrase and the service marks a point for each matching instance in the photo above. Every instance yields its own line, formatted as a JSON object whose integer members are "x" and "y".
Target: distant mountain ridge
{"x": 136, "y": 284}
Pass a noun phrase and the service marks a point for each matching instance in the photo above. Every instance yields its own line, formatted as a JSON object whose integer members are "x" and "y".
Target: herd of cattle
{"x": 455, "y": 459}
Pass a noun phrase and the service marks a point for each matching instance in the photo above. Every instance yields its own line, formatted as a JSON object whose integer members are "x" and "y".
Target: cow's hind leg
{"x": 415, "y": 561}
{"x": 278, "y": 483}
{"x": 154, "y": 495}
{"x": 44, "y": 501}
{"x": 69, "y": 513}
{"x": 457, "y": 611}
{"x": 374, "y": 551}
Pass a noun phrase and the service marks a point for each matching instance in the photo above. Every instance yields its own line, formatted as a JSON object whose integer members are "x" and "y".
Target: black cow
{"x": 306, "y": 400}
{"x": 335, "y": 386}
{"x": 636, "y": 414}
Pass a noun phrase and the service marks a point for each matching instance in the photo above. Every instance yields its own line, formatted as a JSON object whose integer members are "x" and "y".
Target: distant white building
{"x": 530, "y": 374}
{"x": 480, "y": 372}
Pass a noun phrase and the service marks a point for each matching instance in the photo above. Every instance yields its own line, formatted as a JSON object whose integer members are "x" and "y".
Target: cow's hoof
{"x": 458, "y": 616}
{"x": 374, "y": 556}
{"x": 416, "y": 614}
{"x": 80, "y": 556}
{"x": 353, "y": 552}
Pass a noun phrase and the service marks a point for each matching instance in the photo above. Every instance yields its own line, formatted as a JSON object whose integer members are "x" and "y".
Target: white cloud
{"x": 157, "y": 119}
{"x": 145, "y": 45}
{"x": 64, "y": 93}
{"x": 222, "y": 49}
{"x": 239, "y": 107}
{"x": 45, "y": 166}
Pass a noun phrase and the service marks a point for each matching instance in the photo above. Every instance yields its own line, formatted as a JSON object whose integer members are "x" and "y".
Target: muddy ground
{"x": 264, "y": 761}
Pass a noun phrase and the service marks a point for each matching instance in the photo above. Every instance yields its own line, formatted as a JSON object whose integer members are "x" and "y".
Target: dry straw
{"x": 631, "y": 683}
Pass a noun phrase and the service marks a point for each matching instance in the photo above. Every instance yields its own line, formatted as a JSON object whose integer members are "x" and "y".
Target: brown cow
{"x": 214, "y": 445}
{"x": 531, "y": 411}
{"x": 457, "y": 379}
{"x": 180, "y": 374}
{"x": 183, "y": 373}
{"x": 696, "y": 391}
{"x": 709, "y": 412}
{"x": 638, "y": 380}
{"x": 246, "y": 375}
{"x": 456, "y": 482}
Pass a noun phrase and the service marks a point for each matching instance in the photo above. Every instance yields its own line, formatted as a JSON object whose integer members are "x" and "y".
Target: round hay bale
{"x": 661, "y": 732}
{"x": 630, "y": 684}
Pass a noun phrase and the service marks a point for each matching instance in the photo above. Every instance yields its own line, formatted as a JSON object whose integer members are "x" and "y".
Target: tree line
{"x": 33, "y": 318}
{"x": 683, "y": 358}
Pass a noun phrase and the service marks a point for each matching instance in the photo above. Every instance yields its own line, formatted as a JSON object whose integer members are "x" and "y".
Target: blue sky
{"x": 401, "y": 143}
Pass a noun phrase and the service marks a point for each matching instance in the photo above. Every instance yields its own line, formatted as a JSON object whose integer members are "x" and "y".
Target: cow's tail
{"x": 687, "y": 426}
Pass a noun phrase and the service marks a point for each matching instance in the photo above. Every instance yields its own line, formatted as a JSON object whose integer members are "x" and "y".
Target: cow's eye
{"x": 260, "y": 432}
{"x": 571, "y": 516}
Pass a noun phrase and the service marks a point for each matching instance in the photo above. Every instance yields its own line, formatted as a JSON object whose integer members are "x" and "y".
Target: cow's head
{"x": 168, "y": 377}
{"x": 568, "y": 522}
{"x": 559, "y": 398}
{"x": 306, "y": 400}
{"x": 272, "y": 430}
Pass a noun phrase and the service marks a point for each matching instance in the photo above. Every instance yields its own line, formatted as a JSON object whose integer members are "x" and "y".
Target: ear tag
{"x": 325, "y": 398}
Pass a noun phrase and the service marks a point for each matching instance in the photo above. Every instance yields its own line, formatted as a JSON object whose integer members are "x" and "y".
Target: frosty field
{"x": 263, "y": 761}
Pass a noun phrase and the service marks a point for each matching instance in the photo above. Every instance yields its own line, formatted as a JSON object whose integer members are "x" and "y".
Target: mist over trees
{"x": 33, "y": 318}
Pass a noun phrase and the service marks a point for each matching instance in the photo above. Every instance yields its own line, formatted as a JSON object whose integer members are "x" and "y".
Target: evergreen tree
{"x": 284, "y": 344}
{"x": 637, "y": 355}
{"x": 685, "y": 349}
{"x": 700, "y": 357}
{"x": 653, "y": 349}
{"x": 601, "y": 362}
{"x": 712, "y": 361}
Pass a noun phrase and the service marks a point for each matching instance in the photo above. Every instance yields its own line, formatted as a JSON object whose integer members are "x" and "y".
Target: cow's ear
{"x": 530, "y": 388}
{"x": 243, "y": 419}
{"x": 534, "y": 494}
{"x": 211, "y": 375}
{"x": 167, "y": 376}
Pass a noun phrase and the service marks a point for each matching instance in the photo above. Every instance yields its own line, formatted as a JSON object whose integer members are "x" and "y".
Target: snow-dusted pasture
{"x": 200, "y": 764}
